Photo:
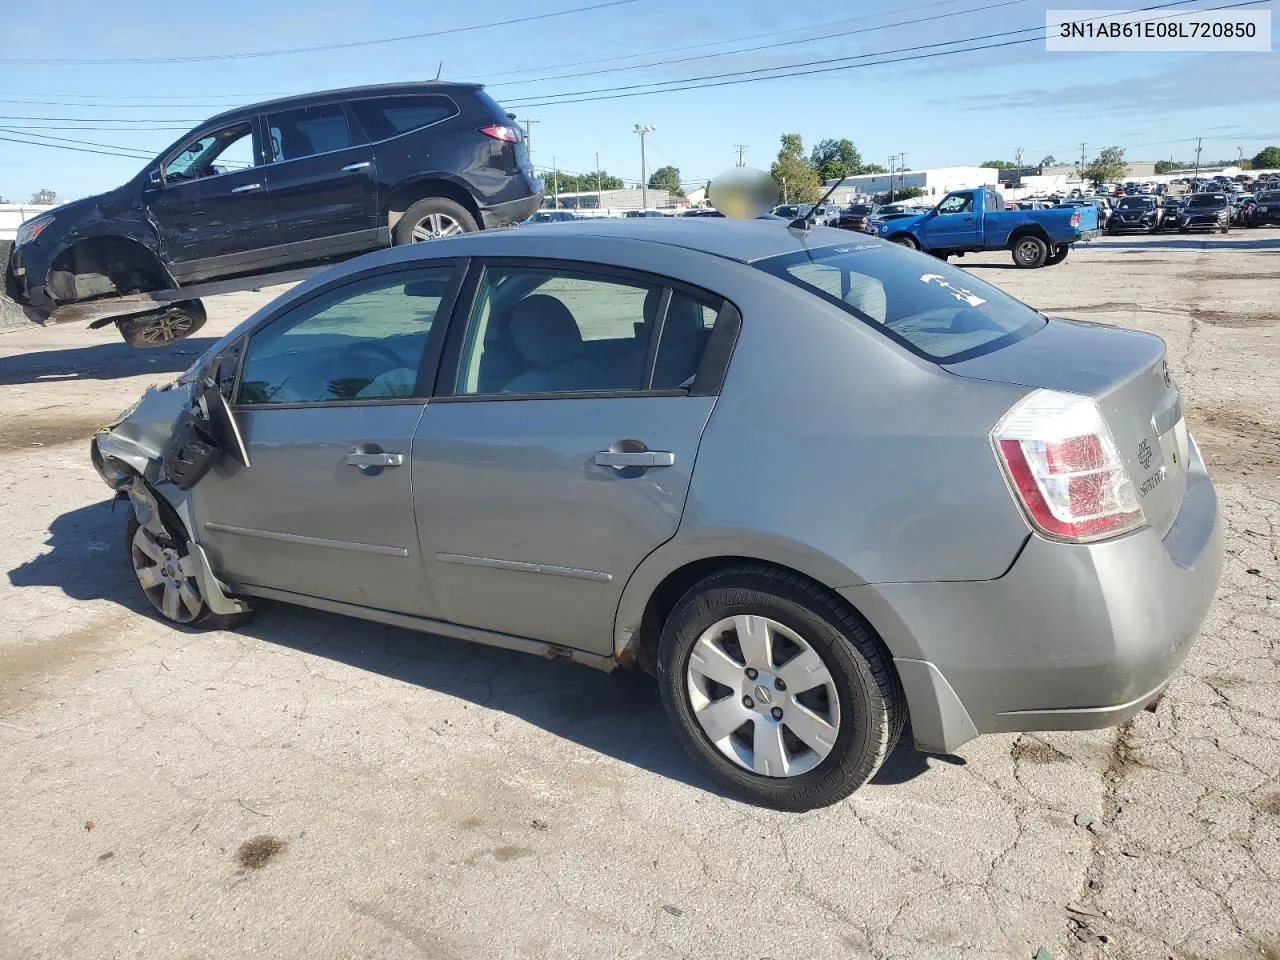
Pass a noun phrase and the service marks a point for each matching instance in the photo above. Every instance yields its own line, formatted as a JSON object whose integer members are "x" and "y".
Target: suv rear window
{"x": 384, "y": 117}
{"x": 932, "y": 309}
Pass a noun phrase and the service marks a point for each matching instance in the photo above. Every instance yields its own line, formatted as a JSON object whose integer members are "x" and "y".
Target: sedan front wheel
{"x": 780, "y": 690}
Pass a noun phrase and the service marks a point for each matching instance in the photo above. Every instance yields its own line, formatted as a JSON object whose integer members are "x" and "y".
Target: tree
{"x": 666, "y": 178}
{"x": 1164, "y": 166}
{"x": 1047, "y": 160}
{"x": 1000, "y": 164}
{"x": 1267, "y": 159}
{"x": 834, "y": 159}
{"x": 44, "y": 195}
{"x": 794, "y": 174}
{"x": 1107, "y": 167}
{"x": 873, "y": 168}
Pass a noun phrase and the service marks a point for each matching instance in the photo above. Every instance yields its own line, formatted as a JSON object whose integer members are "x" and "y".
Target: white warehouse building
{"x": 935, "y": 182}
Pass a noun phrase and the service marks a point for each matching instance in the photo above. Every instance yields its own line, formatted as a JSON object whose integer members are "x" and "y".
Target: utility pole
{"x": 741, "y": 148}
{"x": 555, "y": 182}
{"x": 1017, "y": 157}
{"x": 902, "y": 170}
{"x": 1199, "y": 145}
{"x": 893, "y": 158}
{"x": 785, "y": 198}
{"x": 1082, "y": 161}
{"x": 599, "y": 189}
{"x": 528, "y": 136}
{"x": 643, "y": 129}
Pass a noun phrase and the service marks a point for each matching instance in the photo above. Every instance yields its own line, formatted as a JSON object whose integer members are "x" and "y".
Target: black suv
{"x": 286, "y": 183}
{"x": 1136, "y": 213}
{"x": 1205, "y": 211}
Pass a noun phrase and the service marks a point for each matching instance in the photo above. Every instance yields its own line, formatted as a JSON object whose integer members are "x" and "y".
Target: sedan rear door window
{"x": 935, "y": 310}
{"x": 540, "y": 330}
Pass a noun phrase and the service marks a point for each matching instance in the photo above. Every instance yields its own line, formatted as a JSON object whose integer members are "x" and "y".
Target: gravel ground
{"x": 318, "y": 787}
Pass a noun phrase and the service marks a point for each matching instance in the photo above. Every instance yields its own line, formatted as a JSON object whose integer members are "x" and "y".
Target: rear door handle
{"x": 353, "y": 167}
{"x": 375, "y": 459}
{"x": 637, "y": 458}
{"x": 247, "y": 187}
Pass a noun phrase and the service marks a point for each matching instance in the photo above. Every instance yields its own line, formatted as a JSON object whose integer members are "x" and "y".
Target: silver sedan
{"x": 821, "y": 486}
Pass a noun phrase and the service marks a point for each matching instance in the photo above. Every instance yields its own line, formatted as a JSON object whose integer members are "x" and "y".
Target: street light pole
{"x": 644, "y": 129}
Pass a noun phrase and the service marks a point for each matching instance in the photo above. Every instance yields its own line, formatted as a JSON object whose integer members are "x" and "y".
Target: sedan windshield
{"x": 933, "y": 309}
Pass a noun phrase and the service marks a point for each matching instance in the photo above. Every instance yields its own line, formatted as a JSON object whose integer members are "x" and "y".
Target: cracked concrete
{"x": 424, "y": 797}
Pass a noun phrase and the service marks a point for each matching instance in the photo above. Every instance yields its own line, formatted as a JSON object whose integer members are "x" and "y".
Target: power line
{"x": 58, "y": 146}
{"x": 142, "y": 155}
{"x": 766, "y": 46}
{"x": 189, "y": 123}
{"x": 715, "y": 43}
{"x": 258, "y": 54}
{"x": 737, "y": 77}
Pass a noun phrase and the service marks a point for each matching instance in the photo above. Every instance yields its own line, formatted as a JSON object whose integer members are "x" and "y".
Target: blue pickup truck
{"x": 968, "y": 220}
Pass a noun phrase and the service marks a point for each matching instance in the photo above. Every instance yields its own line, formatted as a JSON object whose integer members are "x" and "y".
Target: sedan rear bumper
{"x": 1072, "y": 637}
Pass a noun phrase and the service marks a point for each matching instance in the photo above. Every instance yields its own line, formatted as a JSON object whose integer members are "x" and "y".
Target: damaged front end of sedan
{"x": 153, "y": 454}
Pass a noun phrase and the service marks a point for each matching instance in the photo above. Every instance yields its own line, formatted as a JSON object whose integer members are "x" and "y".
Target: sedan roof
{"x": 742, "y": 240}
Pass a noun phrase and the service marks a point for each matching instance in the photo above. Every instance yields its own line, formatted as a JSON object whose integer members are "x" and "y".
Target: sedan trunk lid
{"x": 1126, "y": 373}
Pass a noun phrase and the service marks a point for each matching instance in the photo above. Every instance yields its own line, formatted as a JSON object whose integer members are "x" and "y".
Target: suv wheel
{"x": 160, "y": 328}
{"x": 778, "y": 689}
{"x": 431, "y": 219}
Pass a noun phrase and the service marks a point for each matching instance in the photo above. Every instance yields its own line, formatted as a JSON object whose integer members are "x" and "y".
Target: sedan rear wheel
{"x": 778, "y": 688}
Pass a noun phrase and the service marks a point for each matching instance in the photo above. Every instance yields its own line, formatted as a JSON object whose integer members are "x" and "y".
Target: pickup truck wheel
{"x": 1059, "y": 254}
{"x": 1225, "y": 230}
{"x": 431, "y": 219}
{"x": 940, "y": 254}
{"x": 1030, "y": 252}
{"x": 906, "y": 240}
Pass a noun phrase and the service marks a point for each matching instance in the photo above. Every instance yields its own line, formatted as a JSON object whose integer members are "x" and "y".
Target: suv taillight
{"x": 1063, "y": 466}
{"x": 500, "y": 131}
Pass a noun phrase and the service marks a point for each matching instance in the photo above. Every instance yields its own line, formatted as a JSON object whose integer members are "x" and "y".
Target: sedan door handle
{"x": 353, "y": 167}
{"x": 638, "y": 458}
{"x": 247, "y": 187}
{"x": 375, "y": 459}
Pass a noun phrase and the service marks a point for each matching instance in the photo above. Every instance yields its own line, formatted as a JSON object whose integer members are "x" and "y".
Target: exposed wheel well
{"x": 104, "y": 265}
{"x": 674, "y": 586}
{"x": 406, "y": 195}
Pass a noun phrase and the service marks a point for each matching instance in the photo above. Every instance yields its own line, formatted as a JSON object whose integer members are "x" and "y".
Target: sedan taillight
{"x": 1064, "y": 468}
{"x": 500, "y": 131}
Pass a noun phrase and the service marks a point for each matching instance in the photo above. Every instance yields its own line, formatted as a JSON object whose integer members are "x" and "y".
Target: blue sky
{"x": 947, "y": 110}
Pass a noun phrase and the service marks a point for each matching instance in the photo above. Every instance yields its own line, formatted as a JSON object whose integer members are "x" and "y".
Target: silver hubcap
{"x": 434, "y": 226}
{"x": 166, "y": 578}
{"x": 1027, "y": 251}
{"x": 763, "y": 696}
{"x": 166, "y": 329}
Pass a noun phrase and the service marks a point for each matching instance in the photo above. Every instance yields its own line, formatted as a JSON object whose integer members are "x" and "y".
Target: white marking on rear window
{"x": 960, "y": 293}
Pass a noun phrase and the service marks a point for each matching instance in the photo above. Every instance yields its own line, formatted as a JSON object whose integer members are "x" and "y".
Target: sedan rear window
{"x": 933, "y": 309}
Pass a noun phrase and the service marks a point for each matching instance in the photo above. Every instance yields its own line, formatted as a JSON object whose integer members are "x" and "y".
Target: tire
{"x": 940, "y": 254}
{"x": 1225, "y": 230}
{"x": 162, "y": 328}
{"x": 432, "y": 218}
{"x": 1030, "y": 252}
{"x": 1184, "y": 229}
{"x": 906, "y": 240}
{"x": 196, "y": 612}
{"x": 861, "y": 697}
{"x": 1059, "y": 254}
